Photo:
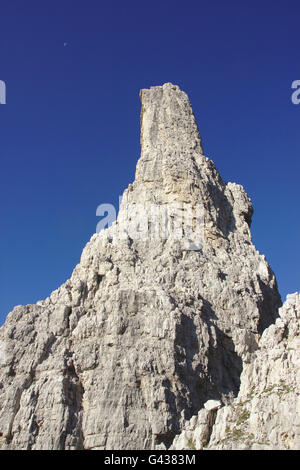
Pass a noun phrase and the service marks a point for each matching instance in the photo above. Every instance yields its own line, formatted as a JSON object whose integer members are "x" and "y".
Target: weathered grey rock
{"x": 212, "y": 405}
{"x": 266, "y": 413}
{"x": 148, "y": 327}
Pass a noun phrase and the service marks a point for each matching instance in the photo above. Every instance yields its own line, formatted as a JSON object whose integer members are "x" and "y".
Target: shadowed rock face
{"x": 147, "y": 328}
{"x": 266, "y": 413}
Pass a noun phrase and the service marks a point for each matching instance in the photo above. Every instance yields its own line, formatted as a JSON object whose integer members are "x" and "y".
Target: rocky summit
{"x": 167, "y": 335}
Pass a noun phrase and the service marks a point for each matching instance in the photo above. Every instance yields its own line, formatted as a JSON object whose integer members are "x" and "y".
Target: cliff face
{"x": 162, "y": 313}
{"x": 266, "y": 413}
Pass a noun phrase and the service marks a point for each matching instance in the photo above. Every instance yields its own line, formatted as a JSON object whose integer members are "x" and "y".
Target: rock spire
{"x": 157, "y": 318}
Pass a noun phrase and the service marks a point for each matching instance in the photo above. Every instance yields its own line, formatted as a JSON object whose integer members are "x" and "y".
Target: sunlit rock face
{"x": 162, "y": 313}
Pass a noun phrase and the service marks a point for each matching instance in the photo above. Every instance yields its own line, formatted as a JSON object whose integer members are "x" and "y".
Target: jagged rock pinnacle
{"x": 170, "y": 140}
{"x": 168, "y": 129}
{"x": 148, "y": 328}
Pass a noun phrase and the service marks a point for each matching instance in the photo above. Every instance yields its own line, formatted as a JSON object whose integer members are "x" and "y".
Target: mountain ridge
{"x": 162, "y": 313}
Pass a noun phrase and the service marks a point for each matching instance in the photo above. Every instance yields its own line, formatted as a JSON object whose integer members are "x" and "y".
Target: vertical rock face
{"x": 266, "y": 413}
{"x": 153, "y": 321}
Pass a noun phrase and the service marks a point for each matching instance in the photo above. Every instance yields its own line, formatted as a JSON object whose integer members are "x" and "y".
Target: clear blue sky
{"x": 69, "y": 133}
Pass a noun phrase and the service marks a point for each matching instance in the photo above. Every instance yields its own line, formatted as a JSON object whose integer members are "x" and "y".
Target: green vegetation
{"x": 191, "y": 444}
{"x": 243, "y": 416}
